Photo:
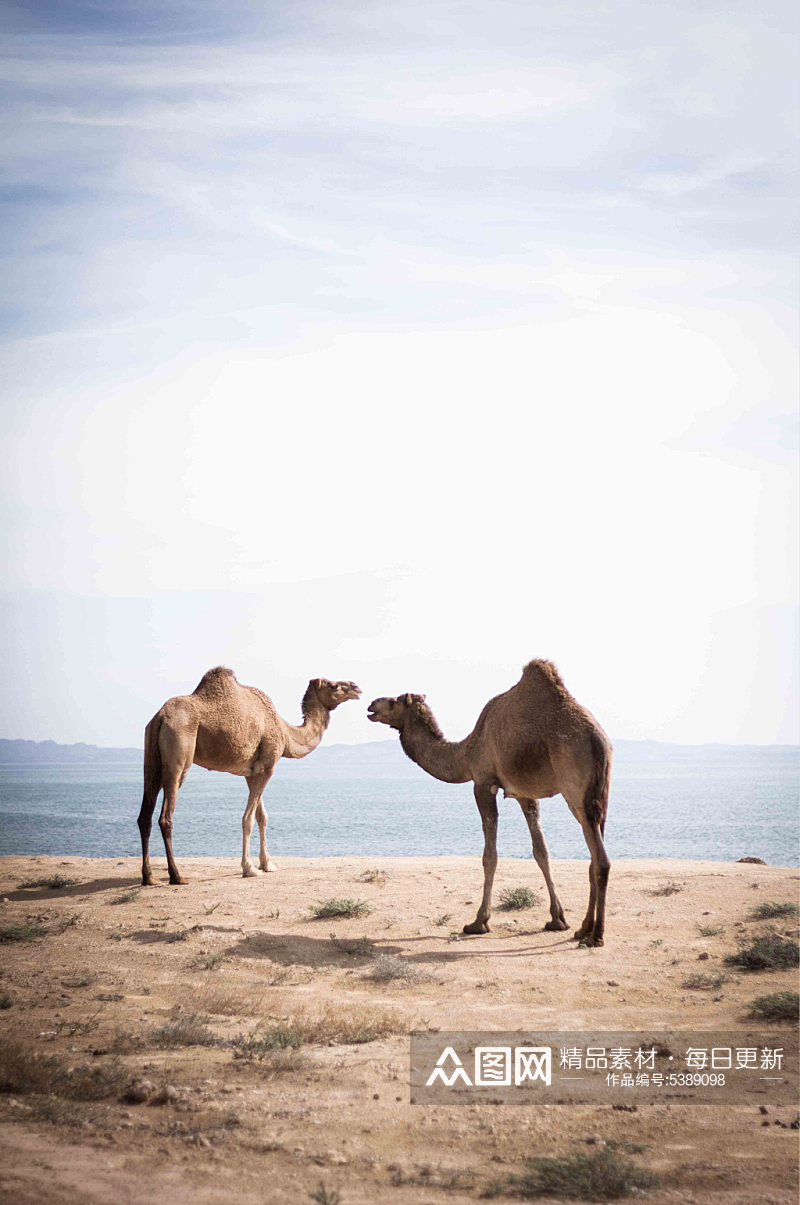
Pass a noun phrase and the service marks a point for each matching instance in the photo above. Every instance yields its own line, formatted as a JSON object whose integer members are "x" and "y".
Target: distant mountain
{"x": 379, "y": 758}
{"x": 42, "y": 752}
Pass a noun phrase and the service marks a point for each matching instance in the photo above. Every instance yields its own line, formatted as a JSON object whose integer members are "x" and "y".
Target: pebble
{"x": 763, "y": 1109}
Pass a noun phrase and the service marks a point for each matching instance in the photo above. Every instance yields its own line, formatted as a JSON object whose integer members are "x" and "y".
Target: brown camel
{"x": 225, "y": 726}
{"x": 532, "y": 742}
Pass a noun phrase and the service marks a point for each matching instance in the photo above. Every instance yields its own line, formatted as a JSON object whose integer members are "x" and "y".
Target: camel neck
{"x": 442, "y": 759}
{"x": 305, "y": 738}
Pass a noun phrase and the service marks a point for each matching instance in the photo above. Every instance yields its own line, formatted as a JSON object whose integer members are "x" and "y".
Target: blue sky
{"x": 401, "y": 343}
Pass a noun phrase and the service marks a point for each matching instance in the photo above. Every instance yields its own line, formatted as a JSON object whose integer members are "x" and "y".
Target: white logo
{"x": 439, "y": 1072}
{"x": 532, "y": 1063}
{"x": 493, "y": 1067}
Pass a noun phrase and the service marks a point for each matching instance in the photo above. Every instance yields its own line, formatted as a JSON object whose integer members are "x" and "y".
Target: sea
{"x": 719, "y": 803}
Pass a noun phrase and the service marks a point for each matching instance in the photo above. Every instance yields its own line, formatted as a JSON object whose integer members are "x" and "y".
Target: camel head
{"x": 331, "y": 694}
{"x": 393, "y": 711}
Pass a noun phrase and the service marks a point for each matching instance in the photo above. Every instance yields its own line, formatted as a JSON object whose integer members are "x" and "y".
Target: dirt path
{"x": 116, "y": 984}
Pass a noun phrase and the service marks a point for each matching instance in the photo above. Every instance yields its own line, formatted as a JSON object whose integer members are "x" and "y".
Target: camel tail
{"x": 152, "y": 766}
{"x": 596, "y": 798}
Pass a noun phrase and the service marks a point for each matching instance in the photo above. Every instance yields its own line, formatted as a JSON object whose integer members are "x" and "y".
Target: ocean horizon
{"x": 713, "y": 802}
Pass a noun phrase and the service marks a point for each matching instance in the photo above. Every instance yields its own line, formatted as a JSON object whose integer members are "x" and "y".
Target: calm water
{"x": 716, "y": 804}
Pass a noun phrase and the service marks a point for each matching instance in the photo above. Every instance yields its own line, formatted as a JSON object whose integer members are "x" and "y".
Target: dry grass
{"x": 351, "y": 1024}
{"x": 710, "y": 930}
{"x": 769, "y": 952}
{"x": 24, "y": 932}
{"x": 128, "y": 897}
{"x": 666, "y": 889}
{"x": 182, "y": 1029}
{"x": 388, "y": 968}
{"x": 426, "y": 1176}
{"x": 705, "y": 983}
{"x": 25, "y": 1071}
{"x": 335, "y": 909}
{"x": 228, "y": 1002}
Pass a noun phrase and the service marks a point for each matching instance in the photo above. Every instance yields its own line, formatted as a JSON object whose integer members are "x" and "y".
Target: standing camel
{"x": 534, "y": 741}
{"x": 225, "y": 726}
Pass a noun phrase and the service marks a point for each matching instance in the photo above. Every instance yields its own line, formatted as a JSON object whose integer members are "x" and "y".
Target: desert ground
{"x": 215, "y": 1042}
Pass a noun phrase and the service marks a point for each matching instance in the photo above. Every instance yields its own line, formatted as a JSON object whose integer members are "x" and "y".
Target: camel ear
{"x": 319, "y": 683}
{"x": 409, "y": 699}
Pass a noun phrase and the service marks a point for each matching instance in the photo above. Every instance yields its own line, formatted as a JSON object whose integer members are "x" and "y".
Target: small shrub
{"x": 54, "y": 882}
{"x": 349, "y": 1025}
{"x": 69, "y": 922}
{"x": 443, "y": 919}
{"x": 25, "y": 1071}
{"x": 425, "y": 1176}
{"x": 710, "y": 930}
{"x": 514, "y": 899}
{"x": 209, "y": 962}
{"x": 360, "y": 947}
{"x": 334, "y": 909}
{"x": 184, "y": 1029}
{"x": 599, "y": 1176}
{"x": 388, "y": 968}
{"x": 210, "y": 908}
{"x": 128, "y": 897}
{"x": 780, "y": 1006}
{"x": 323, "y": 1195}
{"x": 23, "y": 932}
{"x": 373, "y": 876}
{"x": 5, "y": 1001}
{"x": 667, "y": 889}
{"x": 769, "y": 911}
{"x": 705, "y": 983}
{"x": 768, "y": 952}
{"x": 254, "y": 1045}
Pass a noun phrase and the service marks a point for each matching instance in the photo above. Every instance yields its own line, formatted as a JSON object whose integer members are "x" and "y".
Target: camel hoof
{"x": 249, "y": 872}
{"x": 556, "y": 926}
{"x": 591, "y": 941}
{"x": 179, "y": 881}
{"x": 476, "y": 927}
{"x": 270, "y": 868}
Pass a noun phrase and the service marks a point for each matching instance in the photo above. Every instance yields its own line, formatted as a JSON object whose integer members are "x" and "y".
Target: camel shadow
{"x": 73, "y": 891}
{"x": 289, "y": 949}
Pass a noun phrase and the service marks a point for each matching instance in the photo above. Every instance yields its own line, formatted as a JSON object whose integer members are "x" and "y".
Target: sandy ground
{"x": 110, "y": 969}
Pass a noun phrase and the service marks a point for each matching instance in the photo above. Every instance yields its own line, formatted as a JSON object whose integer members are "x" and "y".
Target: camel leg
{"x": 487, "y": 806}
{"x": 530, "y": 810}
{"x": 591, "y": 930}
{"x": 264, "y": 861}
{"x": 173, "y": 781}
{"x": 256, "y": 784}
{"x": 145, "y": 823}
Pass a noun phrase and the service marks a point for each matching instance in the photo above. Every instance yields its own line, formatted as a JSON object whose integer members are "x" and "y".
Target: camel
{"x": 225, "y": 726}
{"x": 533, "y": 741}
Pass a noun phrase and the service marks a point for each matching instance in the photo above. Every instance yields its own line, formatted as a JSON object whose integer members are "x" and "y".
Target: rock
{"x": 138, "y": 1092}
{"x": 594, "y": 1140}
{"x": 702, "y": 957}
{"x": 795, "y": 1125}
{"x": 764, "y": 1123}
{"x": 167, "y": 1095}
{"x": 763, "y": 1109}
{"x": 753, "y": 861}
{"x": 612, "y": 983}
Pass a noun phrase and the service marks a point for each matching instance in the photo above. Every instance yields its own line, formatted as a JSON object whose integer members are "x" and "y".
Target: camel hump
{"x": 544, "y": 671}
{"x": 215, "y": 680}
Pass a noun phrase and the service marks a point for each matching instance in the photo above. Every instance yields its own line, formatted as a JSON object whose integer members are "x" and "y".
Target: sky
{"x": 400, "y": 343}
